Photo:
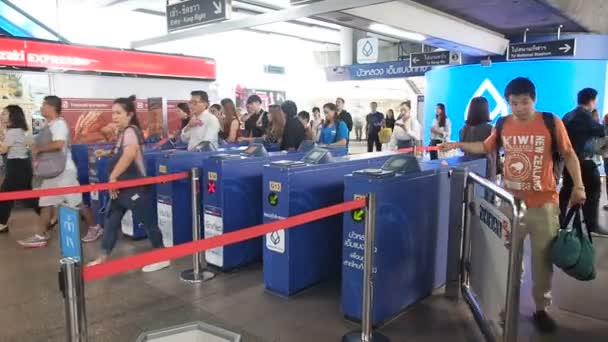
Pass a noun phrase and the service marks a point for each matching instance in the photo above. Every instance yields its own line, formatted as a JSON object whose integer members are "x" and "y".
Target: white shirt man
{"x": 203, "y": 125}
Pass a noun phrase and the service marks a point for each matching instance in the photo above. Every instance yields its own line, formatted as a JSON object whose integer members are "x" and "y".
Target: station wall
{"x": 557, "y": 84}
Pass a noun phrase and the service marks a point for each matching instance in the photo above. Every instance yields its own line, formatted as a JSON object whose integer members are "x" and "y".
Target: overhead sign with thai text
{"x": 182, "y": 14}
{"x": 553, "y": 48}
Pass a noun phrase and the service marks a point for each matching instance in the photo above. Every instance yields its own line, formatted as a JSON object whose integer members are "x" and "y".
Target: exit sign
{"x": 274, "y": 69}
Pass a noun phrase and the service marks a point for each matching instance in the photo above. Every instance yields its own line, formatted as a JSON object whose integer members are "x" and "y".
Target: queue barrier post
{"x": 367, "y": 334}
{"x": 199, "y": 273}
{"x": 71, "y": 285}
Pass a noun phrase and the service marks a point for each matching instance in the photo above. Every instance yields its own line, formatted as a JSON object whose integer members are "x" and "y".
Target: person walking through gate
{"x": 441, "y": 129}
{"x": 54, "y": 141}
{"x": 127, "y": 163}
{"x": 528, "y": 146}
{"x": 375, "y": 122}
{"x": 334, "y": 131}
{"x": 583, "y": 129}
{"x": 203, "y": 125}
{"x": 478, "y": 128}
{"x": 344, "y": 116}
{"x": 407, "y": 130}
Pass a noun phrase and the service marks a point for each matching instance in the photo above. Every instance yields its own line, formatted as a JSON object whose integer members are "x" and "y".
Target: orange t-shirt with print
{"x": 528, "y": 169}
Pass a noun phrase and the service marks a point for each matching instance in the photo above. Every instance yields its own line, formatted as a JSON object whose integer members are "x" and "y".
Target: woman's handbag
{"x": 572, "y": 250}
{"x": 385, "y": 135}
{"x": 48, "y": 164}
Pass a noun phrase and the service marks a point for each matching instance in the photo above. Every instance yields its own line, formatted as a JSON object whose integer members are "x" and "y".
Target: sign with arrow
{"x": 553, "y": 48}
{"x": 436, "y": 58}
{"x": 358, "y": 215}
{"x": 182, "y": 14}
{"x": 273, "y": 199}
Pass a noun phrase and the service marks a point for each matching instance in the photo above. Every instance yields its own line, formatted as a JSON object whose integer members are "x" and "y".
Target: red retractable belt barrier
{"x": 27, "y": 194}
{"x": 419, "y": 149}
{"x": 122, "y": 265}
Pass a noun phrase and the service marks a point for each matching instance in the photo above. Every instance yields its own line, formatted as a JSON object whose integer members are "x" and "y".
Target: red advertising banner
{"x": 38, "y": 54}
{"x": 90, "y": 120}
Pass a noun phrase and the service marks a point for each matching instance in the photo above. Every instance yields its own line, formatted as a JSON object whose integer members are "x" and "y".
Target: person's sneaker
{"x": 156, "y": 267}
{"x": 544, "y": 323}
{"x": 35, "y": 241}
{"x": 3, "y": 228}
{"x": 93, "y": 234}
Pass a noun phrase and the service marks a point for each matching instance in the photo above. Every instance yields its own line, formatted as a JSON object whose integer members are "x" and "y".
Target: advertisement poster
{"x": 90, "y": 120}
{"x": 268, "y": 97}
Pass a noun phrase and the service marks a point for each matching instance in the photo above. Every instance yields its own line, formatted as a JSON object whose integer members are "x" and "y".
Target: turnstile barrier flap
{"x": 225, "y": 156}
{"x": 288, "y": 163}
{"x": 375, "y": 173}
{"x": 191, "y": 332}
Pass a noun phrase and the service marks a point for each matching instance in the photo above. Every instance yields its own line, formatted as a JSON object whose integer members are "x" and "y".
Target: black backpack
{"x": 549, "y": 120}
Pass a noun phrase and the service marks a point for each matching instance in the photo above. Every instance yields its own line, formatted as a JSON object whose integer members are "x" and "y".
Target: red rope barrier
{"x": 91, "y": 273}
{"x": 419, "y": 149}
{"x": 27, "y": 194}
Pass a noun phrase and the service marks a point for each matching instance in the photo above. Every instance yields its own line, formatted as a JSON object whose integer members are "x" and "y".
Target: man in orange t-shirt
{"x": 528, "y": 175}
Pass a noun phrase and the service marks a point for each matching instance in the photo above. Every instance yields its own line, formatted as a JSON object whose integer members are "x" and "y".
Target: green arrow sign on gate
{"x": 273, "y": 199}
{"x": 358, "y": 215}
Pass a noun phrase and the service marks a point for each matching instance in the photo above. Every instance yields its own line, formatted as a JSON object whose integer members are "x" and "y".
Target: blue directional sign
{"x": 69, "y": 233}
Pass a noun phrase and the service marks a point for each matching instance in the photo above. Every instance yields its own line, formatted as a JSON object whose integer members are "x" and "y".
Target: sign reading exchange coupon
{"x": 397, "y": 69}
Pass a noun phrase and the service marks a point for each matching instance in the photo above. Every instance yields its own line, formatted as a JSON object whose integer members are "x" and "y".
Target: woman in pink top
{"x": 127, "y": 163}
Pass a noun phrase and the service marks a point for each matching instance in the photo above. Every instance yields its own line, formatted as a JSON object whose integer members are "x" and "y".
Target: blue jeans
{"x": 129, "y": 199}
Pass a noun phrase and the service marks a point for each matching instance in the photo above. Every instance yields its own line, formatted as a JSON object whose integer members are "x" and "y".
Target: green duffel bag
{"x": 572, "y": 250}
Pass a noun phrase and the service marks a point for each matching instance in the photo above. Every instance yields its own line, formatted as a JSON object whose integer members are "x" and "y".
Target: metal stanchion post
{"x": 198, "y": 273}
{"x": 367, "y": 334}
{"x": 72, "y": 286}
{"x": 514, "y": 278}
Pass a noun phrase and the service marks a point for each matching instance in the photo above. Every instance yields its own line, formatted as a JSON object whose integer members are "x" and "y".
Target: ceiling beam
{"x": 590, "y": 14}
{"x": 287, "y": 14}
{"x": 442, "y": 29}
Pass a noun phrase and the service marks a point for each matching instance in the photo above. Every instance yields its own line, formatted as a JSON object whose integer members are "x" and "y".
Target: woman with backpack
{"x": 127, "y": 163}
{"x": 478, "y": 128}
{"x": 334, "y": 131}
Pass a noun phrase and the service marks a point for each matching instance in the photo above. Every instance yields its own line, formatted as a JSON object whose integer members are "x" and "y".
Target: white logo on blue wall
{"x": 500, "y": 109}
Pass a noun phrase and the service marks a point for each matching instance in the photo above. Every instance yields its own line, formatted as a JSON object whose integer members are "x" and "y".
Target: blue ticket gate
{"x": 412, "y": 233}
{"x": 234, "y": 182}
{"x": 233, "y": 201}
{"x": 83, "y": 156}
{"x": 303, "y": 256}
{"x": 174, "y": 201}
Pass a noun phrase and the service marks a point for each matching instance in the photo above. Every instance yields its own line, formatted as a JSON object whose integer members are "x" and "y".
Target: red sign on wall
{"x": 37, "y": 54}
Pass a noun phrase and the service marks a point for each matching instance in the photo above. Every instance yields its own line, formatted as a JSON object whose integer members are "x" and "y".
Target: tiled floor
{"x": 122, "y": 307}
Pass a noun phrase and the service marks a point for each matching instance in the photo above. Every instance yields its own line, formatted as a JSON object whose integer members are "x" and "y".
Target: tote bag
{"x": 572, "y": 250}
